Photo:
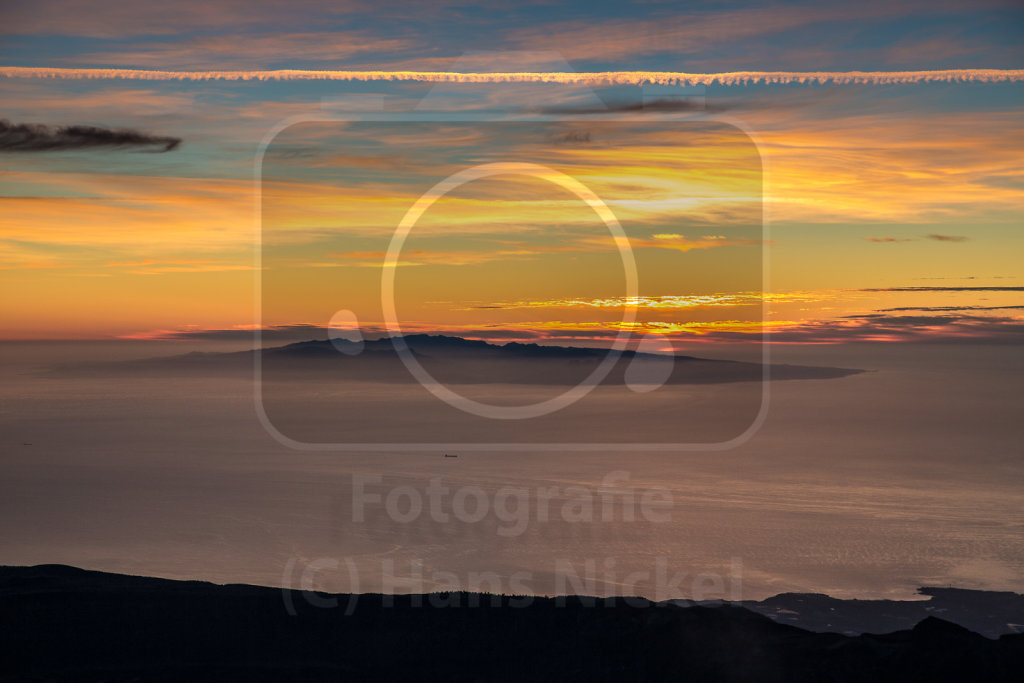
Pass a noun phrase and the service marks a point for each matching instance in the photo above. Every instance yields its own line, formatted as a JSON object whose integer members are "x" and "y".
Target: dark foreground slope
{"x": 61, "y": 623}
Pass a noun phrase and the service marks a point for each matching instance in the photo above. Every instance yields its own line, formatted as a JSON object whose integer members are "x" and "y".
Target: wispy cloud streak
{"x": 670, "y": 302}
{"x": 946, "y": 309}
{"x": 566, "y": 78}
{"x": 942, "y": 329}
{"x": 944, "y": 289}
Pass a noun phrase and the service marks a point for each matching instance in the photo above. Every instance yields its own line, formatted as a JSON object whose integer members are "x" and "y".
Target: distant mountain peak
{"x": 443, "y": 342}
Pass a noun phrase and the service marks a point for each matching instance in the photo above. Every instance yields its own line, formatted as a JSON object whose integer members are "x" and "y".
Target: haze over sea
{"x": 863, "y": 486}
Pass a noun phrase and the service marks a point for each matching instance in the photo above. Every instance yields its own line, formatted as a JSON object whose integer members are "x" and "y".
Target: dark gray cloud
{"x": 37, "y": 137}
{"x": 944, "y": 289}
{"x": 905, "y": 320}
{"x": 572, "y": 136}
{"x": 933, "y": 236}
{"x": 939, "y": 309}
{"x": 931, "y": 329}
{"x": 667, "y": 104}
{"x": 869, "y": 327}
{"x": 950, "y": 325}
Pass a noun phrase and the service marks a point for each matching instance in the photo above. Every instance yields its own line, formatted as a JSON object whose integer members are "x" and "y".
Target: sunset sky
{"x": 894, "y": 208}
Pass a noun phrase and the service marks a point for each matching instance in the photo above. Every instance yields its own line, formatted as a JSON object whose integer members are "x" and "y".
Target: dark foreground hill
{"x": 62, "y": 623}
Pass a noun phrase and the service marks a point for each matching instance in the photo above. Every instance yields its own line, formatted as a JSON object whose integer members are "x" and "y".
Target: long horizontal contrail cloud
{"x": 567, "y": 78}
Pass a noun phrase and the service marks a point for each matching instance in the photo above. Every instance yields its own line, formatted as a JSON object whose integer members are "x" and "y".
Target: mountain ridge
{"x": 64, "y": 623}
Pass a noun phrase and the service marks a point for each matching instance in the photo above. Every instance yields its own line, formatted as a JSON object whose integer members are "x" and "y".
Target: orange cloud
{"x": 891, "y": 168}
{"x": 125, "y": 212}
{"x": 422, "y": 257}
{"x": 117, "y": 20}
{"x": 249, "y": 49}
{"x": 681, "y": 243}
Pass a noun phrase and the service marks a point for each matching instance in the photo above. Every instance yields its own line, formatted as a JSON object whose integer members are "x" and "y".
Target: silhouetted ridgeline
{"x": 61, "y": 623}
{"x": 452, "y": 360}
{"x": 990, "y": 613}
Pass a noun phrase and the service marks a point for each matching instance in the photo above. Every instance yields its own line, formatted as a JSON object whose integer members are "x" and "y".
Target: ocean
{"x": 908, "y": 474}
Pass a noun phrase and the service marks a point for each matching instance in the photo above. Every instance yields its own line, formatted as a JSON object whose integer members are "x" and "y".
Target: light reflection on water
{"x": 864, "y": 486}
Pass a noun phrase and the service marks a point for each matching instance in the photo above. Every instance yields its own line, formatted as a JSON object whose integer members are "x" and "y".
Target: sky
{"x": 881, "y": 206}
